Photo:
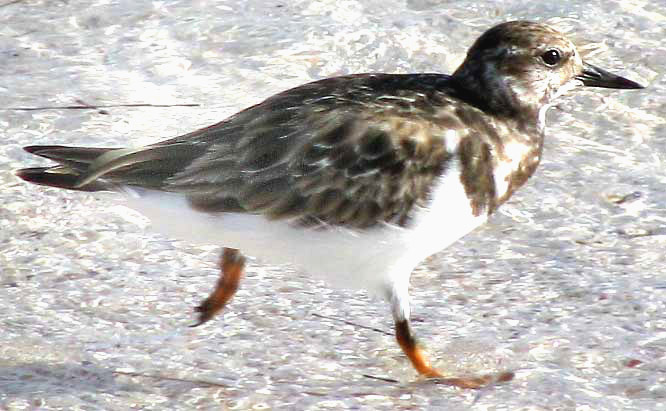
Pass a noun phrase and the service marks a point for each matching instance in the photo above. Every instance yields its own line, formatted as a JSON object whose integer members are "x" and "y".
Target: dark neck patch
{"x": 476, "y": 174}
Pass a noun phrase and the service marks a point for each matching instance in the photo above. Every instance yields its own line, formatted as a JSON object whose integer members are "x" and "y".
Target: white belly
{"x": 372, "y": 259}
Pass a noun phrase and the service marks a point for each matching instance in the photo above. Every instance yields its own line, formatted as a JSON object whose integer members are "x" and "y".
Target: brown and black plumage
{"x": 356, "y": 178}
{"x": 355, "y": 151}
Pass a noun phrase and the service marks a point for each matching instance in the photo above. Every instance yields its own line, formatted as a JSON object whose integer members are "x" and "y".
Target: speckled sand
{"x": 566, "y": 285}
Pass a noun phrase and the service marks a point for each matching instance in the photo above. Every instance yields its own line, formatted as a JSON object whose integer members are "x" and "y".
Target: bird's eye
{"x": 551, "y": 57}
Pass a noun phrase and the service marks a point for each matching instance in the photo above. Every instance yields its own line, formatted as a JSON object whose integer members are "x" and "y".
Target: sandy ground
{"x": 565, "y": 286}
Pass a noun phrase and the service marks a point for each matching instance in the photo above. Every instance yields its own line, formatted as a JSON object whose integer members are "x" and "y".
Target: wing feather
{"x": 349, "y": 159}
{"x": 354, "y": 151}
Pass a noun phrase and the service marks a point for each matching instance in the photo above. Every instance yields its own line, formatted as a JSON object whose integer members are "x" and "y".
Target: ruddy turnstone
{"x": 355, "y": 179}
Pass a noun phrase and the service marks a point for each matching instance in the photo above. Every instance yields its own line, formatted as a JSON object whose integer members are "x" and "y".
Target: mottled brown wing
{"x": 355, "y": 158}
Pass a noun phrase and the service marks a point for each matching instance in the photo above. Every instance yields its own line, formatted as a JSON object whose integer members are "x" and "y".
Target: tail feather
{"x": 73, "y": 161}
{"x": 58, "y": 176}
{"x": 77, "y": 158}
{"x": 131, "y": 160}
{"x": 97, "y": 169}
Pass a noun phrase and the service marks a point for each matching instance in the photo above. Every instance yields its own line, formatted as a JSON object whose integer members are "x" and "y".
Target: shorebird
{"x": 355, "y": 179}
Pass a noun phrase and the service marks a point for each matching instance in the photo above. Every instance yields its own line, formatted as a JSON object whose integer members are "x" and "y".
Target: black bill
{"x": 595, "y": 77}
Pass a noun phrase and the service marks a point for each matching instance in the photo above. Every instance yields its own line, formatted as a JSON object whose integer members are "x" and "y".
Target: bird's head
{"x": 522, "y": 66}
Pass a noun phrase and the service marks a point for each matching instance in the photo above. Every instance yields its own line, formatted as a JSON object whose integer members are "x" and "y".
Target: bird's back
{"x": 353, "y": 151}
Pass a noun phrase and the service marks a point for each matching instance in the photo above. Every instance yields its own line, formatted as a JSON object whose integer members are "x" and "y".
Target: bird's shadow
{"x": 44, "y": 379}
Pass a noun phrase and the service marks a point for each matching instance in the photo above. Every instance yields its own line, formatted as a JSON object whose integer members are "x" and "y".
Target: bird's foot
{"x": 474, "y": 382}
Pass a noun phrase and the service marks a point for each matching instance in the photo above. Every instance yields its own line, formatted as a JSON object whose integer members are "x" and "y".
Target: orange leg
{"x": 232, "y": 265}
{"x": 421, "y": 363}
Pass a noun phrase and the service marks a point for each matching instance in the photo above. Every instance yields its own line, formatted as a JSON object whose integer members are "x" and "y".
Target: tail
{"x": 73, "y": 162}
{"x": 107, "y": 169}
